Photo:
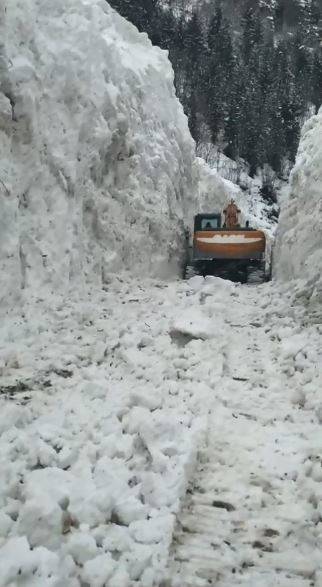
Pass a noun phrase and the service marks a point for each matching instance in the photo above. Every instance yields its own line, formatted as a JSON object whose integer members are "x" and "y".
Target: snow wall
{"x": 98, "y": 171}
{"x": 95, "y": 149}
{"x": 298, "y": 248}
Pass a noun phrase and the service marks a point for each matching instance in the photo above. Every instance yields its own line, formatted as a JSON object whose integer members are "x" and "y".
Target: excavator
{"x": 227, "y": 249}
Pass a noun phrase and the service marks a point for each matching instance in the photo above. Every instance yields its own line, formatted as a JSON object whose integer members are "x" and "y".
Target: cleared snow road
{"x": 161, "y": 434}
{"x": 252, "y": 515}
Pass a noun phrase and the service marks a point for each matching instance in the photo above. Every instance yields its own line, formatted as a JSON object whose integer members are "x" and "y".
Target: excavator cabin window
{"x": 209, "y": 223}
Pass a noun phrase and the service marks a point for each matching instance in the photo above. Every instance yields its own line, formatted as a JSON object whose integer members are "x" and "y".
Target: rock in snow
{"x": 299, "y": 244}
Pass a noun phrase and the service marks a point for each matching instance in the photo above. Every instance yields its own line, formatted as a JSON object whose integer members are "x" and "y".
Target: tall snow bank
{"x": 299, "y": 244}
{"x": 95, "y": 152}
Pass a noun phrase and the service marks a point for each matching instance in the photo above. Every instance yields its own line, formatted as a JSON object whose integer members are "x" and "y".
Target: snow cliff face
{"x": 95, "y": 151}
{"x": 299, "y": 244}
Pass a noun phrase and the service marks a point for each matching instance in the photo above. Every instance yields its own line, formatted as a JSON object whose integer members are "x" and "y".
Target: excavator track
{"x": 250, "y": 276}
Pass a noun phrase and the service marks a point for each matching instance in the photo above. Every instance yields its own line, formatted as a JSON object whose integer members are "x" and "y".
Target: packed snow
{"x": 252, "y": 512}
{"x": 299, "y": 243}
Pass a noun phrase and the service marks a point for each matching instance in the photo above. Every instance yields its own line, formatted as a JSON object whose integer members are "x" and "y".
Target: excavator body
{"x": 236, "y": 252}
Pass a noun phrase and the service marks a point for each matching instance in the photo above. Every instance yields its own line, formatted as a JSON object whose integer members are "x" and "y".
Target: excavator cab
{"x": 207, "y": 222}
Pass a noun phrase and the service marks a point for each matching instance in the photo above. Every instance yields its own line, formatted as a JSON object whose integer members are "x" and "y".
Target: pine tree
{"x": 235, "y": 119}
{"x": 252, "y": 33}
{"x": 251, "y": 144}
{"x": 164, "y": 28}
{"x": 219, "y": 72}
{"x": 189, "y": 69}
{"x": 316, "y": 93}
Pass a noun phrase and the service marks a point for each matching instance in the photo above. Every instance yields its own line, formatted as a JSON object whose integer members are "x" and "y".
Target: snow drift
{"x": 299, "y": 244}
{"x": 95, "y": 150}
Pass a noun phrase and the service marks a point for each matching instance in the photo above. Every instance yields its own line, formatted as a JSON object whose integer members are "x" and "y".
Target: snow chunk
{"x": 192, "y": 324}
{"x": 15, "y": 556}
{"x": 21, "y": 70}
{"x": 41, "y": 521}
{"x": 98, "y": 570}
{"x": 82, "y": 547}
{"x": 39, "y": 566}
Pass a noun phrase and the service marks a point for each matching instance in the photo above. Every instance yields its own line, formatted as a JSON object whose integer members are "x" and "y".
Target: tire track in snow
{"x": 248, "y": 517}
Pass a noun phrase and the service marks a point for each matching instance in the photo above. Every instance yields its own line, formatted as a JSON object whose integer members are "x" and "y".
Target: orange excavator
{"x": 229, "y": 250}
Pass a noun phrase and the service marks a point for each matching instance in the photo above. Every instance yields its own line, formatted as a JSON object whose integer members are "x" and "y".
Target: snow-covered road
{"x": 253, "y": 512}
{"x": 156, "y": 418}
